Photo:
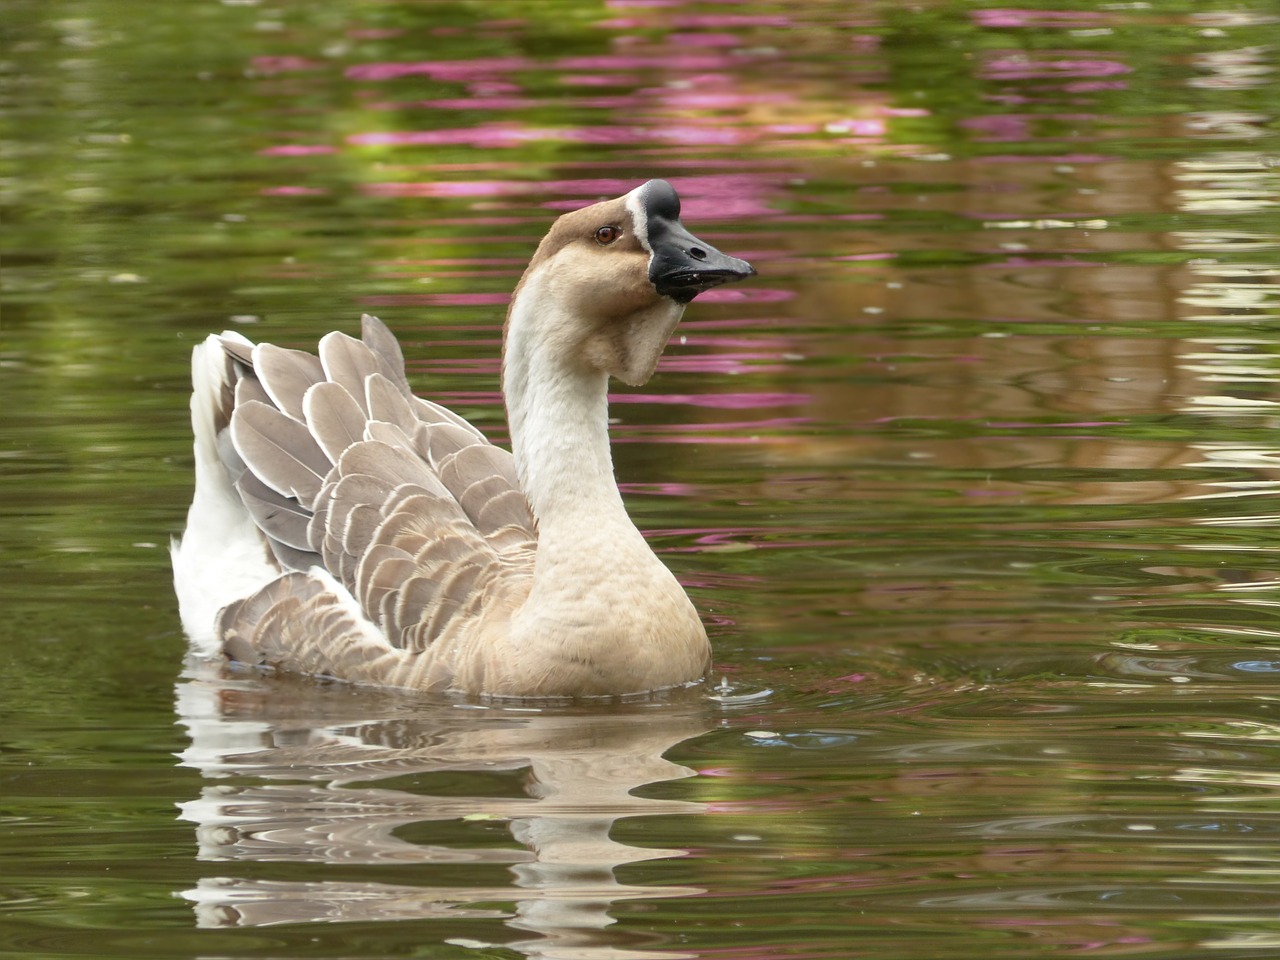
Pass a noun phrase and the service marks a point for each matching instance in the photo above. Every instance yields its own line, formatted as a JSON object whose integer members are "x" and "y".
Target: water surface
{"x": 975, "y": 484}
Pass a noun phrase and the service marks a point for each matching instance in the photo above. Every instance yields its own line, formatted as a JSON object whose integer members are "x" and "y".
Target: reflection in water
{"x": 983, "y": 472}
{"x": 346, "y": 777}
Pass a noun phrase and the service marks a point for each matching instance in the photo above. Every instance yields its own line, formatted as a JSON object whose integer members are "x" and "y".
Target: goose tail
{"x": 222, "y": 556}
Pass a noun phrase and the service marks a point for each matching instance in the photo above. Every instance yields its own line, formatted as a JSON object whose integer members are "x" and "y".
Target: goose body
{"x": 343, "y": 527}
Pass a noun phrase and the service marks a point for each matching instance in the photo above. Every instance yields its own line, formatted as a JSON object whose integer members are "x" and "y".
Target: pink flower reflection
{"x": 693, "y": 100}
{"x": 457, "y": 71}
{"x": 375, "y": 33}
{"x": 999, "y": 17}
{"x": 292, "y": 192}
{"x": 715, "y": 20}
{"x": 297, "y": 150}
{"x": 506, "y": 103}
{"x": 269, "y": 65}
{"x": 1016, "y": 126}
{"x": 667, "y": 489}
{"x": 1045, "y": 262}
{"x": 721, "y": 20}
{"x": 716, "y": 401}
{"x": 485, "y": 135}
{"x": 860, "y": 127}
{"x": 1051, "y": 158}
{"x": 1093, "y": 86}
{"x": 716, "y": 434}
{"x": 1020, "y": 67}
{"x": 598, "y": 80}
{"x": 732, "y": 196}
{"x": 510, "y": 134}
{"x": 704, "y": 40}
{"x": 734, "y": 295}
{"x": 675, "y": 63}
{"x": 737, "y": 363}
{"x": 868, "y": 256}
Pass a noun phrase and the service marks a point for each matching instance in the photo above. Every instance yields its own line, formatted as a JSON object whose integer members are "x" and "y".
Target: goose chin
{"x": 630, "y": 351}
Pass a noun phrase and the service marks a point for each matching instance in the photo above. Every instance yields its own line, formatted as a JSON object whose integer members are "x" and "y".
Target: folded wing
{"x": 402, "y": 502}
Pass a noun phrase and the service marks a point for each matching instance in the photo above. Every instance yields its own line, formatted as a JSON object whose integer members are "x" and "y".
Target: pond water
{"x": 976, "y": 484}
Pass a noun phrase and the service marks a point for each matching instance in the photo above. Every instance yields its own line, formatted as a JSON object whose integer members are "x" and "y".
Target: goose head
{"x": 609, "y": 283}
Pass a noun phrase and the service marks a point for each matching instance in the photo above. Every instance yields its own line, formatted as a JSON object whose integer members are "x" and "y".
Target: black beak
{"x": 681, "y": 265}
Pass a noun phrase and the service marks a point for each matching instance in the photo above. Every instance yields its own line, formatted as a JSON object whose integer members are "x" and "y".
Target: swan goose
{"x": 343, "y": 527}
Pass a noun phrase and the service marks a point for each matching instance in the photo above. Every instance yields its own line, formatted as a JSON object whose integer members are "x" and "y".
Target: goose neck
{"x": 558, "y": 411}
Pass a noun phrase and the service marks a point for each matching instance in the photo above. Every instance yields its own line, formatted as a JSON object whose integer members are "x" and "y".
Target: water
{"x": 975, "y": 484}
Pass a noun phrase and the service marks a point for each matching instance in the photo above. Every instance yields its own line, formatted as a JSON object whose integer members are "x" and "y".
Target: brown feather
{"x": 239, "y": 622}
{"x": 491, "y": 503}
{"x": 367, "y": 579}
{"x": 507, "y": 511}
{"x": 416, "y": 595}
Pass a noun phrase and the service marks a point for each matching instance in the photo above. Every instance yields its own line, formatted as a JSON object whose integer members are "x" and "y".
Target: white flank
{"x": 221, "y": 556}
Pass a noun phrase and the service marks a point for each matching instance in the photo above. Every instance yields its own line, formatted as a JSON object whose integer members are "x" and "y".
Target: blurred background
{"x": 975, "y": 484}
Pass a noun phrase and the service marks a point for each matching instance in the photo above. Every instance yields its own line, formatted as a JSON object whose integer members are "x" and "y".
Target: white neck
{"x": 558, "y": 411}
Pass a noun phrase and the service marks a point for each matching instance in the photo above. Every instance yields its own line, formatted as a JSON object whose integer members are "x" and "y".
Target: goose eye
{"x": 607, "y": 234}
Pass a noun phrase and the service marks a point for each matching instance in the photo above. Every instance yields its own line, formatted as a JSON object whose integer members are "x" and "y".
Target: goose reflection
{"x": 361, "y": 781}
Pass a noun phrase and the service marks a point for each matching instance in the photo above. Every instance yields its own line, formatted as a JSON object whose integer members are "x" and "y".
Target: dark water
{"x": 976, "y": 484}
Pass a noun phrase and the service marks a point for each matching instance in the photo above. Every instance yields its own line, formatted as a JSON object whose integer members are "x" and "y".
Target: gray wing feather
{"x": 347, "y": 361}
{"x": 386, "y": 349}
{"x": 279, "y": 517}
{"x": 388, "y": 434}
{"x": 460, "y": 470}
{"x": 334, "y": 417}
{"x": 249, "y": 389}
{"x": 376, "y": 459}
{"x": 285, "y": 376}
{"x": 290, "y": 558}
{"x": 385, "y": 402}
{"x": 430, "y": 412}
{"x": 407, "y": 504}
{"x": 238, "y": 349}
{"x": 435, "y": 441}
{"x": 280, "y": 450}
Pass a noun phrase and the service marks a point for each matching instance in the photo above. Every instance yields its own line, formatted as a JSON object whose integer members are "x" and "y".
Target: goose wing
{"x": 398, "y": 500}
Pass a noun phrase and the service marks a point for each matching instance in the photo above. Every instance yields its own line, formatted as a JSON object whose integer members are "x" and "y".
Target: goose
{"x": 343, "y": 527}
